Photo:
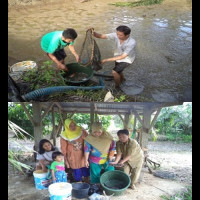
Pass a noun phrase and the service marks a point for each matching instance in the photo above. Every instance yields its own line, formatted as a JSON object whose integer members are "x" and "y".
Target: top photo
{"x": 100, "y": 51}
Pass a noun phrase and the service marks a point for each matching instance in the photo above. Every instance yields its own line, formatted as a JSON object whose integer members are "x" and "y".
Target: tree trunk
{"x": 37, "y": 124}
{"x": 126, "y": 121}
{"x": 145, "y": 128}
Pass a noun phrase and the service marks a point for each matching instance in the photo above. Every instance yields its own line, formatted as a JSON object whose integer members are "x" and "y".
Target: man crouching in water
{"x": 124, "y": 51}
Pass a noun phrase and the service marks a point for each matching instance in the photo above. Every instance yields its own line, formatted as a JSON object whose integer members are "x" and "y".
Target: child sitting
{"x": 58, "y": 168}
{"x": 44, "y": 155}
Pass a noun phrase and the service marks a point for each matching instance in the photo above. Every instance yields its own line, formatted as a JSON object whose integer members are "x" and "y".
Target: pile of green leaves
{"x": 44, "y": 76}
{"x": 137, "y": 3}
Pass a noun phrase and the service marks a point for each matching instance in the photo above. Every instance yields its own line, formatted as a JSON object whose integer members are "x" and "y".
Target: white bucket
{"x": 41, "y": 181}
{"x": 60, "y": 191}
{"x": 23, "y": 66}
{"x": 17, "y": 69}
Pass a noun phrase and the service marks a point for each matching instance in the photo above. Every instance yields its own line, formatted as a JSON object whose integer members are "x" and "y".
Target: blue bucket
{"x": 41, "y": 181}
{"x": 60, "y": 191}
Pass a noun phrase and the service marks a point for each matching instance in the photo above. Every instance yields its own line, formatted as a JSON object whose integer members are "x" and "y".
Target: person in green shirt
{"x": 53, "y": 44}
{"x": 130, "y": 155}
{"x": 58, "y": 167}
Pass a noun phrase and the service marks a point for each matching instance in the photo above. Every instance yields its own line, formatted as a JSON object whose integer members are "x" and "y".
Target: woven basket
{"x": 110, "y": 179}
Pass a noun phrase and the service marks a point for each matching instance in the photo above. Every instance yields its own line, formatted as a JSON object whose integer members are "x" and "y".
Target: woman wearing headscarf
{"x": 99, "y": 149}
{"x": 72, "y": 146}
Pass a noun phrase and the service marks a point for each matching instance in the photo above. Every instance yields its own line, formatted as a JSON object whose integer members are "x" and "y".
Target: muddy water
{"x": 163, "y": 33}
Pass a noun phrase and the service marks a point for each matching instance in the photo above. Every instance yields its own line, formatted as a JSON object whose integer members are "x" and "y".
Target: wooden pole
{"x": 154, "y": 119}
{"x": 91, "y": 115}
{"x": 38, "y": 134}
{"x": 126, "y": 120}
{"x": 54, "y": 128}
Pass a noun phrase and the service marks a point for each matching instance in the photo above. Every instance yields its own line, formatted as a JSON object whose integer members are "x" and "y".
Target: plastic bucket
{"x": 80, "y": 190}
{"x": 19, "y": 68}
{"x": 60, "y": 191}
{"x": 41, "y": 181}
{"x": 115, "y": 182}
{"x": 23, "y": 66}
{"x": 77, "y": 68}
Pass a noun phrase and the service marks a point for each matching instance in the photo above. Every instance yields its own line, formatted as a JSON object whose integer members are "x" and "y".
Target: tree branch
{"x": 27, "y": 112}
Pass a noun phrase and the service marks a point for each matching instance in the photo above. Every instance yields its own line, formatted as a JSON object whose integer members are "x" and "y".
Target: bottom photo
{"x": 99, "y": 150}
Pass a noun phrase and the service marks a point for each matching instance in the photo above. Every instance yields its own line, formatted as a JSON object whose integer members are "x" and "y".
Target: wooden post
{"x": 53, "y": 134}
{"x": 37, "y": 124}
{"x": 126, "y": 120}
{"x": 146, "y": 126}
{"x": 91, "y": 115}
{"x": 134, "y": 127}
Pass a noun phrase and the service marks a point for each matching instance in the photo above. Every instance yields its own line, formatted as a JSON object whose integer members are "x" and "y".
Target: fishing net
{"x": 90, "y": 54}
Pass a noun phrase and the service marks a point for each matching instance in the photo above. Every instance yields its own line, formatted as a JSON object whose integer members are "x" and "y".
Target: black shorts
{"x": 120, "y": 66}
{"x": 60, "y": 54}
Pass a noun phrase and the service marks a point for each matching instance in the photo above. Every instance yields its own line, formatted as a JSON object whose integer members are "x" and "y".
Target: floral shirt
{"x": 96, "y": 156}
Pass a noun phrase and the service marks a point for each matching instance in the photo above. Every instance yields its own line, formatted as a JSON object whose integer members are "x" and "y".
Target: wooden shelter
{"x": 142, "y": 111}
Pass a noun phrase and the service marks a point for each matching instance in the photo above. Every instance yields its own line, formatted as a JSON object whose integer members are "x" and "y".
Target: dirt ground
{"x": 174, "y": 158}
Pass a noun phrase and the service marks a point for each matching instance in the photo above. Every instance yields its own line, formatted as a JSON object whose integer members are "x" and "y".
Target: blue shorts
{"x": 78, "y": 173}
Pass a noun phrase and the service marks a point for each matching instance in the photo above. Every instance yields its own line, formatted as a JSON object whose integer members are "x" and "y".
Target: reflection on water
{"x": 186, "y": 29}
{"x": 163, "y": 23}
{"x": 163, "y": 36}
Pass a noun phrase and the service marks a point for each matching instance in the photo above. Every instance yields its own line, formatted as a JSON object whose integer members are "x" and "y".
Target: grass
{"x": 179, "y": 137}
{"x": 137, "y": 3}
{"x": 87, "y": 96}
{"x": 174, "y": 138}
{"x": 185, "y": 195}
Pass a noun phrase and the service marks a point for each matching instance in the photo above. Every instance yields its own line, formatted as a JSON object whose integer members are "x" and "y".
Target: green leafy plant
{"x": 44, "y": 76}
{"x": 185, "y": 195}
{"x": 174, "y": 122}
{"x": 121, "y": 98}
{"x": 13, "y": 156}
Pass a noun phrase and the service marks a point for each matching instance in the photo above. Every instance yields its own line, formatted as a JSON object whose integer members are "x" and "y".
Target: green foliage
{"x": 90, "y": 96}
{"x": 84, "y": 119}
{"x": 187, "y": 138}
{"x": 179, "y": 138}
{"x": 13, "y": 156}
{"x": 44, "y": 76}
{"x": 175, "y": 120}
{"x": 120, "y": 98}
{"x": 17, "y": 115}
{"x": 137, "y": 3}
{"x": 185, "y": 195}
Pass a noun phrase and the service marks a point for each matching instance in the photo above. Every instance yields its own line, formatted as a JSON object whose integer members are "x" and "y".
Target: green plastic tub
{"x": 84, "y": 73}
{"x": 115, "y": 182}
